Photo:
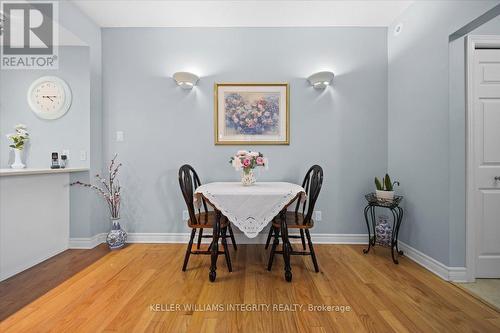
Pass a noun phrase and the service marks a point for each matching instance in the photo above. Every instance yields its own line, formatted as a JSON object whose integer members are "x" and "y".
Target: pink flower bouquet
{"x": 248, "y": 160}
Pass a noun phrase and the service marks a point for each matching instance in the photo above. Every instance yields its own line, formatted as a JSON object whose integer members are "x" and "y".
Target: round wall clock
{"x": 49, "y": 97}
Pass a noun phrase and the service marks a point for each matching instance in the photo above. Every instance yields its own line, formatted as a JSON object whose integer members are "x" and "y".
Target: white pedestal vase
{"x": 18, "y": 162}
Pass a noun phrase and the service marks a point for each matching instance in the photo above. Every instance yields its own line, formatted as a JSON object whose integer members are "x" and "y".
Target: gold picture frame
{"x": 267, "y": 129}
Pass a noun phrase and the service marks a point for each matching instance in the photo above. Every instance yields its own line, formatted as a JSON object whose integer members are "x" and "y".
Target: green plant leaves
{"x": 388, "y": 183}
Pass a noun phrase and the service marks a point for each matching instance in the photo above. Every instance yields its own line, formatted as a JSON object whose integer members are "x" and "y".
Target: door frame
{"x": 471, "y": 43}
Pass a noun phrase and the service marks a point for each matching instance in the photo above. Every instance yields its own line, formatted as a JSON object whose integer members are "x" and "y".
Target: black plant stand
{"x": 397, "y": 213}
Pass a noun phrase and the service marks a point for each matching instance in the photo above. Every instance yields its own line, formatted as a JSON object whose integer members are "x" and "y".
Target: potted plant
{"x": 19, "y": 139}
{"x": 109, "y": 188}
{"x": 247, "y": 161}
{"x": 385, "y": 188}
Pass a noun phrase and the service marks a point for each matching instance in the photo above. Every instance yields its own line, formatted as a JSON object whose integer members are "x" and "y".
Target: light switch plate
{"x": 83, "y": 155}
{"x": 119, "y": 136}
{"x": 185, "y": 215}
{"x": 317, "y": 215}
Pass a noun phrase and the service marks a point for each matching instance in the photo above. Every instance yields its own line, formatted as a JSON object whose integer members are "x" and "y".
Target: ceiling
{"x": 242, "y": 13}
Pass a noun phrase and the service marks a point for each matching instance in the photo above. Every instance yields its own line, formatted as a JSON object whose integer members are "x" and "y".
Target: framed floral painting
{"x": 252, "y": 114}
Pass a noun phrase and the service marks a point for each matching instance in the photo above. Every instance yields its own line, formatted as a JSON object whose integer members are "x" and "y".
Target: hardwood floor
{"x": 27, "y": 286}
{"x": 131, "y": 290}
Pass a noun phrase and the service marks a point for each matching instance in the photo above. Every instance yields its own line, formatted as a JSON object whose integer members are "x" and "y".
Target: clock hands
{"x": 49, "y": 97}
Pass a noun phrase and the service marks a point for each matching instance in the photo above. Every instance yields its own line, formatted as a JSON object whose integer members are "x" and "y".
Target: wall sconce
{"x": 321, "y": 80}
{"x": 186, "y": 80}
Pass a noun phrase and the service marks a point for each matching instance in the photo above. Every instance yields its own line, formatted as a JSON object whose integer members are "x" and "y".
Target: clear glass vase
{"x": 248, "y": 177}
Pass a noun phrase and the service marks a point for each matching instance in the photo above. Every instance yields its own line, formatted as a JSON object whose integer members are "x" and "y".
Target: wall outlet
{"x": 317, "y": 215}
{"x": 83, "y": 155}
{"x": 185, "y": 215}
{"x": 119, "y": 136}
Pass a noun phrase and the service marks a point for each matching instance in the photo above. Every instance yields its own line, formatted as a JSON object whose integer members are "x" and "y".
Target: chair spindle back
{"x": 189, "y": 181}
{"x": 312, "y": 185}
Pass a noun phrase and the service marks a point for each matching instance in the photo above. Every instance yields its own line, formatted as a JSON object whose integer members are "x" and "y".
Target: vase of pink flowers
{"x": 109, "y": 188}
{"x": 247, "y": 161}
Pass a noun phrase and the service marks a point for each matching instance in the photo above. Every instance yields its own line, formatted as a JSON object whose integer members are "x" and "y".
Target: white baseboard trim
{"x": 454, "y": 274}
{"x": 457, "y": 274}
{"x": 88, "y": 242}
{"x": 183, "y": 237}
{"x": 339, "y": 238}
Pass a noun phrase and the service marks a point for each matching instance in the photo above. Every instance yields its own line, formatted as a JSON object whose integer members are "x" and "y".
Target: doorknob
{"x": 497, "y": 178}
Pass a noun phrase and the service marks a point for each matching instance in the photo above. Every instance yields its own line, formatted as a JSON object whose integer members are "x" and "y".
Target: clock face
{"x": 49, "y": 97}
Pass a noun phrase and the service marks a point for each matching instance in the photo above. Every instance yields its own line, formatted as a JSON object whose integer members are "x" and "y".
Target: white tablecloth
{"x": 250, "y": 208}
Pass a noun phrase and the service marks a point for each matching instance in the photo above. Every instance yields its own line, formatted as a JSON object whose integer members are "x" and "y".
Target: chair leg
{"x": 269, "y": 237}
{"x": 214, "y": 250}
{"x": 226, "y": 250}
{"x": 311, "y": 249}
{"x": 287, "y": 248}
{"x": 200, "y": 236}
{"x": 273, "y": 248}
{"x": 303, "y": 239}
{"x": 188, "y": 250}
{"x": 232, "y": 236}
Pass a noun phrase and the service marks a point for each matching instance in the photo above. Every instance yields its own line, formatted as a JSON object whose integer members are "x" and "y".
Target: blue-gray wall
{"x": 72, "y": 131}
{"x": 81, "y": 66}
{"x": 458, "y": 141}
{"x": 344, "y": 128}
{"x": 87, "y": 212}
{"x": 426, "y": 142}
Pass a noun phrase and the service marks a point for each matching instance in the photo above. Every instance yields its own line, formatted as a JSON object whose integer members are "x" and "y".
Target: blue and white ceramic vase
{"x": 383, "y": 230}
{"x": 117, "y": 237}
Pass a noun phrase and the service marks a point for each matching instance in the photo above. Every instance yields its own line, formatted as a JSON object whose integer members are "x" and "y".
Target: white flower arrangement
{"x": 19, "y": 138}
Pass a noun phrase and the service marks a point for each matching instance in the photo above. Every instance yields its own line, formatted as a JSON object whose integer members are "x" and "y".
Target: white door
{"x": 486, "y": 161}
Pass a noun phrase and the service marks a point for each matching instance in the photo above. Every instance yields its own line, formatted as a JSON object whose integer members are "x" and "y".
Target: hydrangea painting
{"x": 251, "y": 114}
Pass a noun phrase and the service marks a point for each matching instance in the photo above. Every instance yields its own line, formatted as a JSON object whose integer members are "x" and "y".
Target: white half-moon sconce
{"x": 321, "y": 80}
{"x": 186, "y": 80}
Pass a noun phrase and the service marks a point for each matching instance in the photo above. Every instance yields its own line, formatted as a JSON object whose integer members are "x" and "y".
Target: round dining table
{"x": 250, "y": 209}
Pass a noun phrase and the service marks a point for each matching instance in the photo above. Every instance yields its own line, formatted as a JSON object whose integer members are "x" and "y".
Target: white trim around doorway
{"x": 471, "y": 44}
